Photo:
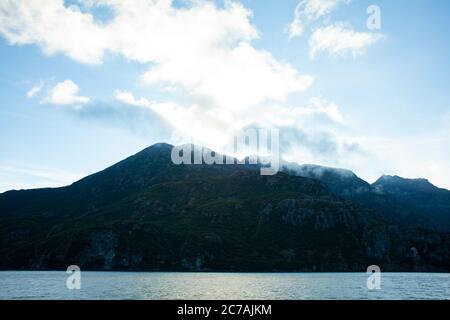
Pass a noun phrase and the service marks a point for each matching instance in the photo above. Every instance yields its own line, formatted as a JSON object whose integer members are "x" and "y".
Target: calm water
{"x": 141, "y": 285}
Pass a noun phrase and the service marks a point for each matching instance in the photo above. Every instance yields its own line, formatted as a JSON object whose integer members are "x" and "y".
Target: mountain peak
{"x": 397, "y": 182}
{"x": 159, "y": 146}
{"x": 397, "y": 179}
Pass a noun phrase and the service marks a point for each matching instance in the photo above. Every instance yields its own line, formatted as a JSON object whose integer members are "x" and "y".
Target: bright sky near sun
{"x": 87, "y": 83}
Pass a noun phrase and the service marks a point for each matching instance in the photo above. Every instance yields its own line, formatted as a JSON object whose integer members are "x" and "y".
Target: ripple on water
{"x": 292, "y": 286}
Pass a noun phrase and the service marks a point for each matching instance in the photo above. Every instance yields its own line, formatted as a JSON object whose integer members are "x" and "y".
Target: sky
{"x": 362, "y": 85}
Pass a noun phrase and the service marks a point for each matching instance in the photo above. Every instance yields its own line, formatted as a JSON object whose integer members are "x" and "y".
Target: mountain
{"x": 342, "y": 182}
{"x": 409, "y": 202}
{"x": 145, "y": 213}
{"x": 396, "y": 184}
{"x": 416, "y": 200}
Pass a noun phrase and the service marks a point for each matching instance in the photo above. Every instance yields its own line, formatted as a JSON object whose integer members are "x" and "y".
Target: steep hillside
{"x": 146, "y": 213}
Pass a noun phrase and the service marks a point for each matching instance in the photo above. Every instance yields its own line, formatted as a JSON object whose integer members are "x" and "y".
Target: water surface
{"x": 161, "y": 285}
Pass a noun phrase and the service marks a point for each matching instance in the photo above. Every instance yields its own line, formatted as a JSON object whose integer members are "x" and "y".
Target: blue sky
{"x": 112, "y": 77}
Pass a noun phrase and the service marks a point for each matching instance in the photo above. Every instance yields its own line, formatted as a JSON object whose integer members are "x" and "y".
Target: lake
{"x": 278, "y": 286}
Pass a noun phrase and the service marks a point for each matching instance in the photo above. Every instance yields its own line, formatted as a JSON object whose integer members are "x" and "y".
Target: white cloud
{"x": 233, "y": 78}
{"x": 314, "y": 9}
{"x": 54, "y": 27}
{"x": 65, "y": 94}
{"x": 211, "y": 128}
{"x": 35, "y": 90}
{"x": 127, "y": 97}
{"x": 318, "y": 106}
{"x": 281, "y": 115}
{"x": 215, "y": 127}
{"x": 204, "y": 50}
{"x": 339, "y": 40}
{"x": 310, "y": 10}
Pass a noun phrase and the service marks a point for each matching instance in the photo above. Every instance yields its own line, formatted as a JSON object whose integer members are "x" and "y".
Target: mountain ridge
{"x": 284, "y": 164}
{"x": 145, "y": 213}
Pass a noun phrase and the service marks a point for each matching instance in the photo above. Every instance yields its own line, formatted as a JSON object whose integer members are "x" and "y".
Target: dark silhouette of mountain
{"x": 417, "y": 201}
{"x": 342, "y": 182}
{"x": 145, "y": 213}
{"x": 396, "y": 184}
{"x": 409, "y": 202}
